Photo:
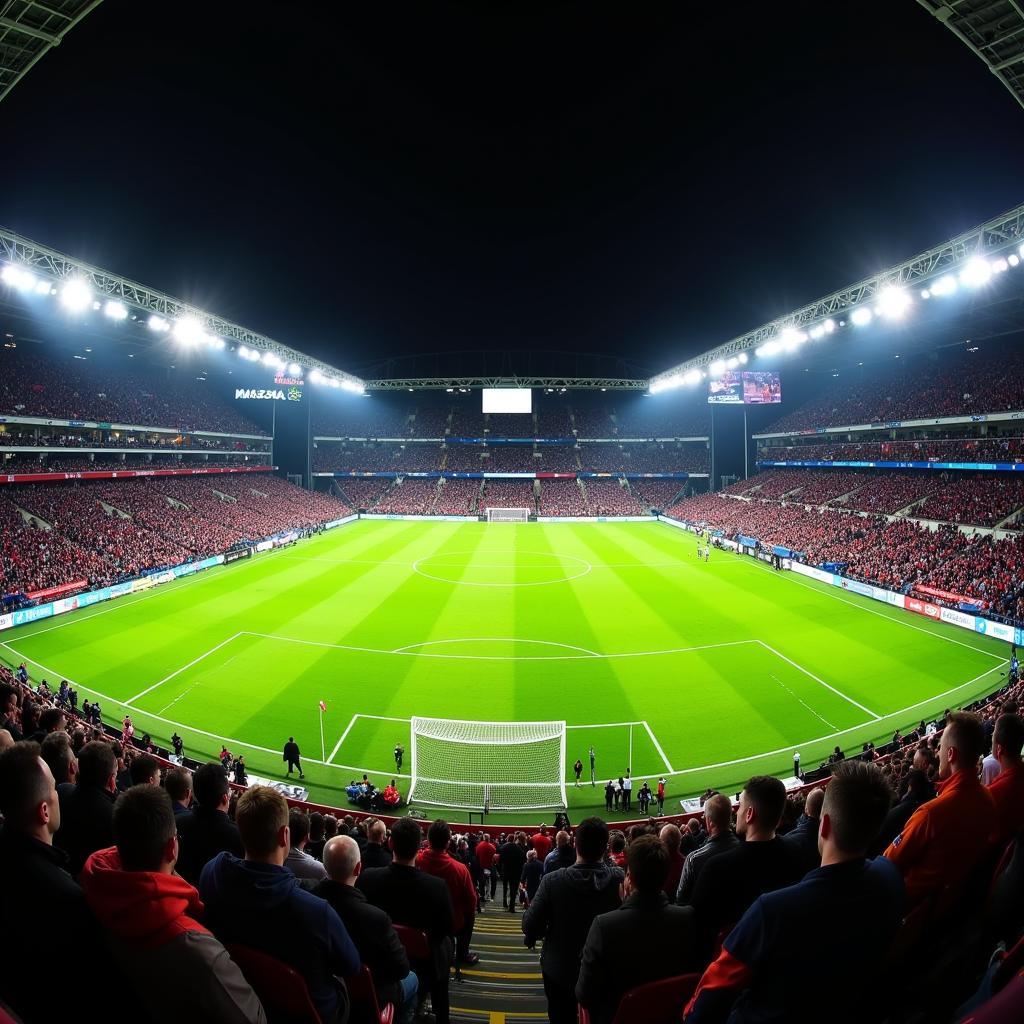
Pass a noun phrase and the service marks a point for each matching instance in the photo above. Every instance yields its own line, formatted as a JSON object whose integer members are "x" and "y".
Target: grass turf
{"x": 727, "y": 667}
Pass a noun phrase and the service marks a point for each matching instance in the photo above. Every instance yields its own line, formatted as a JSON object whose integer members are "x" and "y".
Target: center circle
{"x": 492, "y": 568}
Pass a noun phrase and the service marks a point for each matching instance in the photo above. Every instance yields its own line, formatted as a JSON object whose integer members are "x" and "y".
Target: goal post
{"x": 508, "y": 515}
{"x": 497, "y": 766}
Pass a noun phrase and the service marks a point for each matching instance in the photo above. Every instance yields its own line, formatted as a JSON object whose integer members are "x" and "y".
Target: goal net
{"x": 508, "y": 515}
{"x": 508, "y": 766}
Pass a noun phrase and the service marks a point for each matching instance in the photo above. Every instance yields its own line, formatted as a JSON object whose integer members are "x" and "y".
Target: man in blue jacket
{"x": 258, "y": 902}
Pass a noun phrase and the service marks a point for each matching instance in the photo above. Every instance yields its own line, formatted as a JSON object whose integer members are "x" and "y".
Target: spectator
{"x": 729, "y": 883}
{"x": 562, "y": 856}
{"x": 39, "y": 894}
{"x": 88, "y": 812}
{"x": 1007, "y": 788}
{"x": 56, "y": 751}
{"x": 693, "y": 836}
{"x": 298, "y": 861}
{"x": 315, "y": 846}
{"x": 486, "y": 854}
{"x": 208, "y": 830}
{"x": 919, "y": 791}
{"x": 435, "y": 861}
{"x": 541, "y": 842}
{"x": 533, "y": 872}
{"x": 258, "y": 902}
{"x": 144, "y": 770}
{"x": 369, "y": 927}
{"x": 721, "y": 839}
{"x": 177, "y": 969}
{"x": 413, "y": 898}
{"x": 946, "y": 837}
{"x": 512, "y": 857}
{"x": 671, "y": 838}
{"x": 804, "y": 836}
{"x": 655, "y": 939}
{"x": 562, "y": 912}
{"x": 178, "y": 783}
{"x": 375, "y": 854}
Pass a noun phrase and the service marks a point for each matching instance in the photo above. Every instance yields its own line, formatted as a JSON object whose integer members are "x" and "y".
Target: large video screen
{"x": 508, "y": 400}
{"x": 745, "y": 387}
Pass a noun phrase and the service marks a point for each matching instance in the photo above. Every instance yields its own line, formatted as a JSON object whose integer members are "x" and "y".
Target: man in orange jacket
{"x": 435, "y": 861}
{"x": 946, "y": 837}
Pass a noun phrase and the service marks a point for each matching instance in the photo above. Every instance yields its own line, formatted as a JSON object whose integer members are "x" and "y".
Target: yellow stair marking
{"x": 472, "y": 973}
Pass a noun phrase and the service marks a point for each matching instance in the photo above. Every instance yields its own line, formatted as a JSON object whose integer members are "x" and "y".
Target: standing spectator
{"x": 656, "y": 940}
{"x": 301, "y": 864}
{"x": 627, "y": 793}
{"x": 562, "y": 856}
{"x": 804, "y": 836}
{"x": 946, "y": 837}
{"x": 178, "y": 746}
{"x": 208, "y": 830}
{"x": 562, "y": 912}
{"x": 919, "y": 791}
{"x": 644, "y": 798}
{"x": 258, "y": 902}
{"x": 56, "y": 751}
{"x": 486, "y": 853}
{"x": 1007, "y": 788}
{"x": 512, "y": 858}
{"x": 399, "y": 754}
{"x": 178, "y": 783}
{"x": 609, "y": 796}
{"x": 774, "y": 942}
{"x": 541, "y": 842}
{"x": 369, "y": 928}
{"x": 721, "y": 839}
{"x": 292, "y": 755}
{"x": 435, "y": 861}
{"x": 315, "y": 846}
{"x": 661, "y": 795}
{"x": 533, "y": 872}
{"x": 577, "y": 769}
{"x": 671, "y": 838}
{"x": 88, "y": 812}
{"x": 177, "y": 969}
{"x": 374, "y": 854}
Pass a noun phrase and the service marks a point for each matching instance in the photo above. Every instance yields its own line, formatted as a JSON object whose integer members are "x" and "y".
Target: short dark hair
{"x": 298, "y": 825}
{"x": 260, "y": 814}
{"x": 316, "y": 826}
{"x": 648, "y": 862}
{"x": 406, "y": 838}
{"x": 143, "y": 768}
{"x": 918, "y": 784}
{"x": 439, "y": 835}
{"x": 96, "y": 763}
{"x": 591, "y": 838}
{"x": 210, "y": 784}
{"x": 23, "y": 783}
{"x": 967, "y": 734}
{"x": 857, "y": 800}
{"x": 50, "y": 719}
{"x": 1009, "y": 734}
{"x": 178, "y": 783}
{"x": 768, "y": 796}
{"x": 143, "y": 824}
{"x": 56, "y": 751}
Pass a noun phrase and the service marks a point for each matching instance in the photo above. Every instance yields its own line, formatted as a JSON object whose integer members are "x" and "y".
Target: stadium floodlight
{"x": 76, "y": 295}
{"x": 893, "y": 303}
{"x": 829, "y": 325}
{"x": 694, "y": 377}
{"x": 945, "y": 285}
{"x": 115, "y": 310}
{"x": 316, "y": 376}
{"x": 43, "y": 287}
{"x": 158, "y": 324}
{"x": 742, "y": 357}
{"x": 294, "y": 369}
{"x": 19, "y": 278}
{"x": 717, "y": 368}
{"x": 731, "y": 364}
{"x": 861, "y": 316}
{"x": 189, "y": 331}
{"x": 1000, "y": 266}
{"x": 925, "y": 294}
{"x": 817, "y": 331}
{"x": 976, "y": 272}
{"x": 1013, "y": 259}
{"x": 791, "y": 339}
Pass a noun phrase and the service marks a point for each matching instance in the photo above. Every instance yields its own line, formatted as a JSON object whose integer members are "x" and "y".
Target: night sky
{"x": 383, "y": 180}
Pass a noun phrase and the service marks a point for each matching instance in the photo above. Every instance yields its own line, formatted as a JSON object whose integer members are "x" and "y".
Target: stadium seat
{"x": 281, "y": 989}
{"x": 1005, "y": 1006}
{"x": 366, "y": 1008}
{"x": 415, "y": 941}
{"x": 657, "y": 1002}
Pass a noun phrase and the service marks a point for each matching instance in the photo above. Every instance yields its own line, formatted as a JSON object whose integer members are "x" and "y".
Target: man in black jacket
{"x": 374, "y": 854}
{"x": 208, "y": 830}
{"x": 369, "y": 928}
{"x": 919, "y": 791}
{"x": 292, "y": 756}
{"x": 87, "y": 814}
{"x": 39, "y": 894}
{"x": 721, "y": 838}
{"x": 413, "y": 898}
{"x": 511, "y": 858}
{"x": 562, "y": 912}
{"x": 804, "y": 837}
{"x": 656, "y": 939}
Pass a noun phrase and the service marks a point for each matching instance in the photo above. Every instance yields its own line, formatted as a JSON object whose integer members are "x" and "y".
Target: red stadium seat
{"x": 281, "y": 989}
{"x": 366, "y": 1009}
{"x": 415, "y": 941}
{"x": 657, "y": 1002}
{"x": 1005, "y": 1006}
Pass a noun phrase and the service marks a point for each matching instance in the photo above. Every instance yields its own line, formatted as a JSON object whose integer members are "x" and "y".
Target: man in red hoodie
{"x": 180, "y": 971}
{"x": 435, "y": 861}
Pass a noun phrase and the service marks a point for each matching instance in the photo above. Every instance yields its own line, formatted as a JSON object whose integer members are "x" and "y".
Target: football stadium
{"x": 698, "y": 642}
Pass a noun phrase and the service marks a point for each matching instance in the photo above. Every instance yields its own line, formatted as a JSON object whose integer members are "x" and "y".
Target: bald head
{"x": 812, "y": 805}
{"x": 718, "y": 813}
{"x": 341, "y": 860}
{"x": 561, "y": 839}
{"x": 671, "y": 838}
{"x": 376, "y": 832}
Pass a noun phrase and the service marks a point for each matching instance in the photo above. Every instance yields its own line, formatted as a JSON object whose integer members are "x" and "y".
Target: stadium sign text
{"x": 292, "y": 394}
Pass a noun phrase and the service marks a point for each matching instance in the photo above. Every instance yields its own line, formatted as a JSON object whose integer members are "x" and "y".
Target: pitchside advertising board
{"x": 745, "y": 387}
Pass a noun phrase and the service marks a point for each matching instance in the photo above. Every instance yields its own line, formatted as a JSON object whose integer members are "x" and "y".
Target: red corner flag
{"x": 323, "y": 706}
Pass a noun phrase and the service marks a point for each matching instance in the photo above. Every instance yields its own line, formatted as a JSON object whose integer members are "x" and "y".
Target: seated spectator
{"x": 435, "y": 861}
{"x": 56, "y": 751}
{"x": 562, "y": 912}
{"x": 562, "y": 856}
{"x": 774, "y": 965}
{"x": 208, "y": 830}
{"x": 946, "y": 837}
{"x": 178, "y": 783}
{"x": 144, "y": 770}
{"x": 87, "y": 817}
{"x": 804, "y": 836}
{"x": 258, "y": 902}
{"x": 671, "y": 839}
{"x": 375, "y": 854}
{"x": 533, "y": 872}
{"x": 721, "y": 839}
{"x": 369, "y": 928}
{"x": 413, "y": 898}
{"x": 729, "y": 883}
{"x": 655, "y": 939}
{"x": 316, "y": 843}
{"x": 177, "y": 969}
{"x": 1007, "y": 788}
{"x": 39, "y": 894}
{"x": 919, "y": 791}
{"x": 693, "y": 836}
{"x": 300, "y": 862}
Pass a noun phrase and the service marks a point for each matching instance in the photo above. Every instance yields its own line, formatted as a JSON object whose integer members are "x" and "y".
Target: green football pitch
{"x": 706, "y": 673}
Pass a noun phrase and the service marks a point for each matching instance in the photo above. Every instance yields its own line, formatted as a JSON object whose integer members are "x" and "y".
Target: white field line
{"x": 792, "y": 693}
{"x": 497, "y": 640}
{"x": 337, "y": 746}
{"x": 657, "y": 746}
{"x": 602, "y": 725}
{"x": 178, "y": 671}
{"x": 184, "y": 693}
{"x": 828, "y": 686}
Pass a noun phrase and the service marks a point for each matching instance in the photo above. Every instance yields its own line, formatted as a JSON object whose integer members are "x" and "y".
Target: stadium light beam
{"x": 861, "y": 316}
{"x": 189, "y": 331}
{"x": 76, "y": 295}
{"x": 893, "y": 303}
{"x": 294, "y": 369}
{"x": 976, "y": 272}
{"x": 115, "y": 310}
{"x": 19, "y": 278}
{"x": 158, "y": 324}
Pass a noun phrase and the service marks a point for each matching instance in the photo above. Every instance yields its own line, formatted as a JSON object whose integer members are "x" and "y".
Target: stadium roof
{"x": 993, "y": 30}
{"x": 29, "y": 30}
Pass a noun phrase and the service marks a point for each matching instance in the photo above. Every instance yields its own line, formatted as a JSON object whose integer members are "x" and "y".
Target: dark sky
{"x": 383, "y": 179}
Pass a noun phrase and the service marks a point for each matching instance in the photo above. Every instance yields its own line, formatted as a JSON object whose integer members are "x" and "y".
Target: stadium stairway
{"x": 505, "y": 987}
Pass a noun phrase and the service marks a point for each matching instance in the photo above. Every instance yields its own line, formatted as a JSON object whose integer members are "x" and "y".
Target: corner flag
{"x": 323, "y": 706}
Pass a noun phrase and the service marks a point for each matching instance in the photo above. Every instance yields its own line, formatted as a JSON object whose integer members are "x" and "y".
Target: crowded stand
{"x": 24, "y": 463}
{"x": 773, "y": 484}
{"x": 512, "y": 458}
{"x": 819, "y": 488}
{"x": 612, "y": 498}
{"x": 463, "y": 458}
{"x": 508, "y": 494}
{"x": 658, "y": 494}
{"x": 974, "y": 499}
{"x": 411, "y": 497}
{"x": 562, "y": 498}
{"x": 941, "y": 449}
{"x": 359, "y": 493}
{"x": 429, "y": 421}
{"x": 638, "y": 420}
{"x": 359, "y": 419}
{"x": 457, "y": 497}
{"x": 553, "y": 420}
{"x": 589, "y": 422}
{"x": 556, "y": 459}
{"x": 511, "y": 425}
{"x": 888, "y": 493}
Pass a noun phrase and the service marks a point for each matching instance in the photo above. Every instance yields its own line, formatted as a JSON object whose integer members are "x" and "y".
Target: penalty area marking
{"x": 587, "y": 568}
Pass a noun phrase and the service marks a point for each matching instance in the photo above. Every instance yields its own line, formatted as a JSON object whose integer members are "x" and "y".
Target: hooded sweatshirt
{"x": 561, "y": 913}
{"x": 181, "y": 972}
{"x": 263, "y": 906}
